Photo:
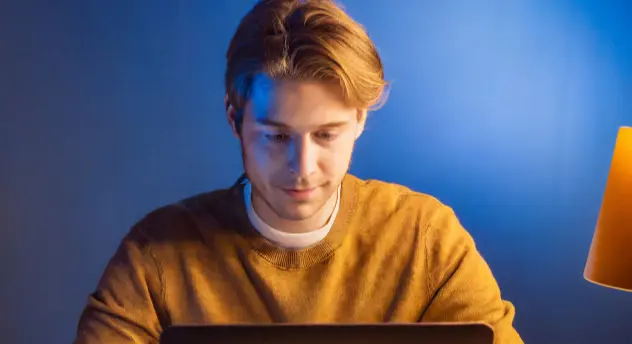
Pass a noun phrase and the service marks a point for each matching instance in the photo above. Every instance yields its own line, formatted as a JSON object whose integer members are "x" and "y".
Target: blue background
{"x": 506, "y": 110}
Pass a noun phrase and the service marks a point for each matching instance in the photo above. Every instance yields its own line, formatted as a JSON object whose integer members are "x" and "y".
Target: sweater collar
{"x": 292, "y": 259}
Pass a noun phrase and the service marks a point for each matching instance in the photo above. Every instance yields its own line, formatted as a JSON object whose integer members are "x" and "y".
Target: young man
{"x": 296, "y": 239}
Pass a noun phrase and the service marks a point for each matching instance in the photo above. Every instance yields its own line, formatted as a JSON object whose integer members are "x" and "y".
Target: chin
{"x": 297, "y": 212}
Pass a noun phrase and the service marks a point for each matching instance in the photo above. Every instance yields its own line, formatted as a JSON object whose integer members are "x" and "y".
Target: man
{"x": 297, "y": 238}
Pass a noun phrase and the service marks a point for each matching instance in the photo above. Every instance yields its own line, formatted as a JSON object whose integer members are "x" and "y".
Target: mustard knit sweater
{"x": 392, "y": 255}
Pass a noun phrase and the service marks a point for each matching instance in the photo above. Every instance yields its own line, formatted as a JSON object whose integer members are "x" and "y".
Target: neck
{"x": 318, "y": 220}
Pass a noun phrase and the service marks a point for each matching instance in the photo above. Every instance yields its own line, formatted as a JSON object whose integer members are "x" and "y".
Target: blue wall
{"x": 506, "y": 110}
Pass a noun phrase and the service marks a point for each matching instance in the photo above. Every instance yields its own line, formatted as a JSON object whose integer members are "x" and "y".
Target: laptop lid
{"x": 387, "y": 333}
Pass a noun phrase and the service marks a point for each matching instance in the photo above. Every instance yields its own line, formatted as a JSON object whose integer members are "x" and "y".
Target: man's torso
{"x": 211, "y": 272}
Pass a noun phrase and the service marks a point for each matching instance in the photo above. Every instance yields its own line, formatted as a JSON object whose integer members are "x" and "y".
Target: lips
{"x": 300, "y": 194}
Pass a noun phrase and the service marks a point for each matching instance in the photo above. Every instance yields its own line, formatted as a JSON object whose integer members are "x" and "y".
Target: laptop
{"x": 386, "y": 333}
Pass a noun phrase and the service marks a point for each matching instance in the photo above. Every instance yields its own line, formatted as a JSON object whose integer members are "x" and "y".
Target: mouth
{"x": 300, "y": 194}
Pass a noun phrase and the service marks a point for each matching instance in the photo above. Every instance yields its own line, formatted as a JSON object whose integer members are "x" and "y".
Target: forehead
{"x": 298, "y": 104}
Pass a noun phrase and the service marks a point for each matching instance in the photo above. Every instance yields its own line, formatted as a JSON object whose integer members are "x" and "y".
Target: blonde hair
{"x": 304, "y": 40}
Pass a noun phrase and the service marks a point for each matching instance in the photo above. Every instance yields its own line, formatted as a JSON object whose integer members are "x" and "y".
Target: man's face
{"x": 297, "y": 139}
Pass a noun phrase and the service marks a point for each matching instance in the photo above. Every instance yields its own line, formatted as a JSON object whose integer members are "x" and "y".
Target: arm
{"x": 462, "y": 286}
{"x": 126, "y": 305}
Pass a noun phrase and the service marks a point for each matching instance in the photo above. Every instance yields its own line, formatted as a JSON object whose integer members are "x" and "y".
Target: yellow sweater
{"x": 392, "y": 255}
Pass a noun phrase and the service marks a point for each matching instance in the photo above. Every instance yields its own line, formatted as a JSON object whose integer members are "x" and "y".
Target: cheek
{"x": 260, "y": 155}
{"x": 335, "y": 160}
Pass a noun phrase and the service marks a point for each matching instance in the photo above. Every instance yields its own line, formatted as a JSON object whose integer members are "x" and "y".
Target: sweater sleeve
{"x": 124, "y": 307}
{"x": 461, "y": 286}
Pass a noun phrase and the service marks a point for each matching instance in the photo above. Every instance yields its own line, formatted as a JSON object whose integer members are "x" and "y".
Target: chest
{"x": 345, "y": 288}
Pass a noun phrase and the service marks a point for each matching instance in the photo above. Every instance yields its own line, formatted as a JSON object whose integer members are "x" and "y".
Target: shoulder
{"x": 434, "y": 219}
{"x": 401, "y": 209}
{"x": 182, "y": 220}
{"x": 392, "y": 198}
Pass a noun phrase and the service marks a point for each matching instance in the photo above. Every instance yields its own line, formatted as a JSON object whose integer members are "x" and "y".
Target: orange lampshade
{"x": 610, "y": 258}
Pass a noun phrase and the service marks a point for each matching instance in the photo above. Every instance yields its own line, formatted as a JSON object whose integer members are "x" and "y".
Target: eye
{"x": 277, "y": 137}
{"x": 325, "y": 135}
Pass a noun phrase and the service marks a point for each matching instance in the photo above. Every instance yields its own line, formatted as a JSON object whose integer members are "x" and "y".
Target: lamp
{"x": 610, "y": 258}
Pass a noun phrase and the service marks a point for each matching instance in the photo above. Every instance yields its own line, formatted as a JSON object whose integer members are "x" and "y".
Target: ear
{"x": 362, "y": 115}
{"x": 231, "y": 116}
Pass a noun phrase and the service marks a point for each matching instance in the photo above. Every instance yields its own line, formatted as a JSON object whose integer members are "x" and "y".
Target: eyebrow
{"x": 273, "y": 123}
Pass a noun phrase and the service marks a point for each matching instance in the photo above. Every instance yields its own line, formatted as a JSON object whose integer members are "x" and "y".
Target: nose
{"x": 303, "y": 157}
